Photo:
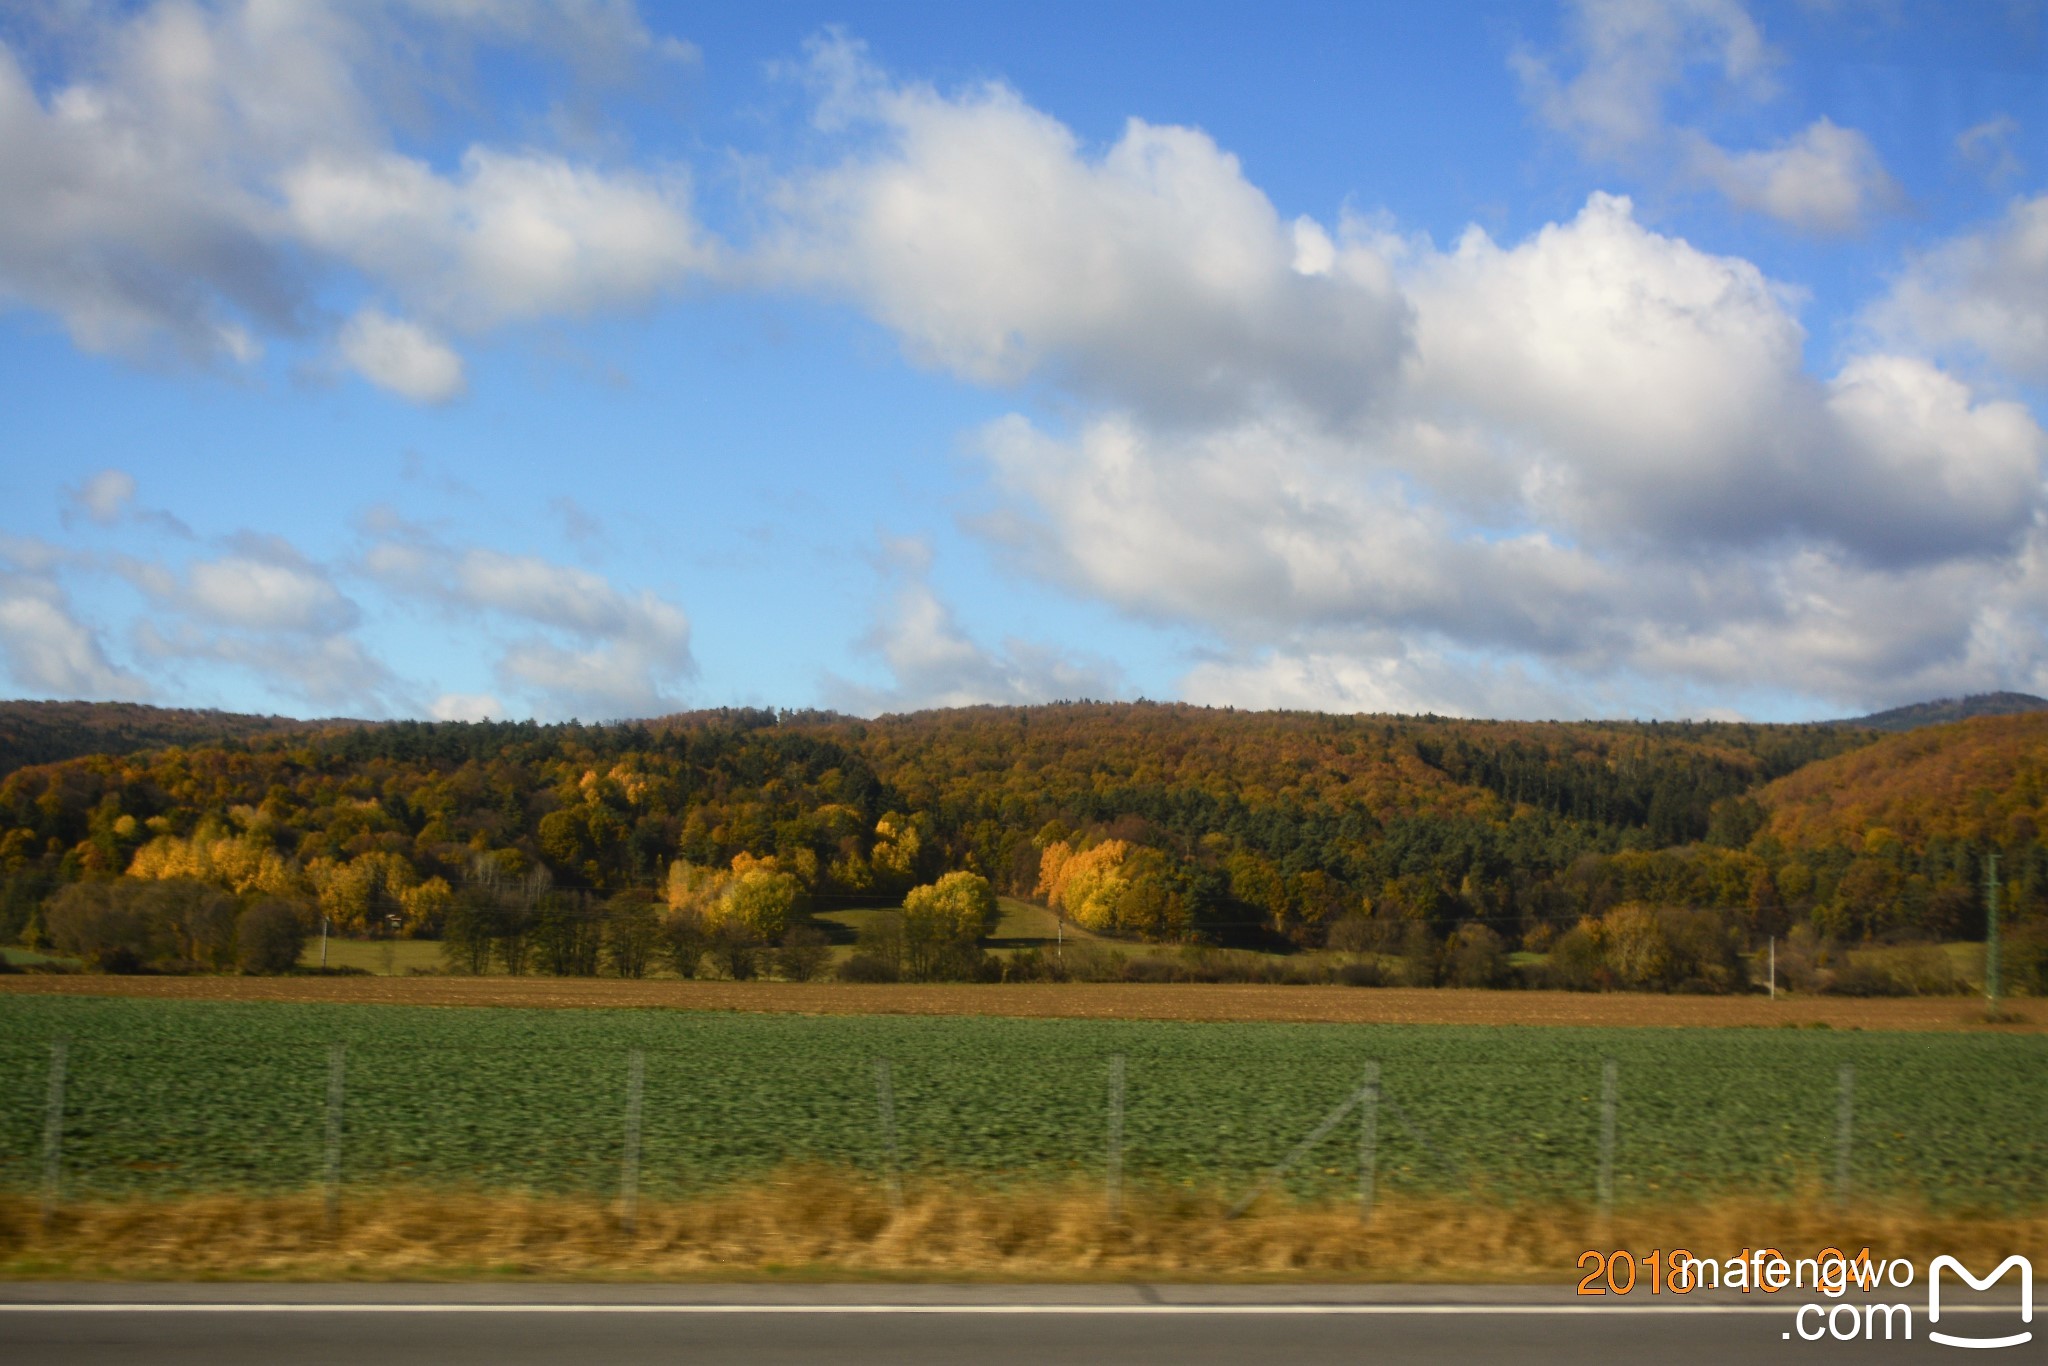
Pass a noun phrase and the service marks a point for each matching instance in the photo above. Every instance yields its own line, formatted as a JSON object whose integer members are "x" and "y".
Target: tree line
{"x": 1146, "y": 821}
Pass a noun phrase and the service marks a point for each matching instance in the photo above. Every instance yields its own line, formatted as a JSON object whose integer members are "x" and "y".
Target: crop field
{"x": 177, "y": 1097}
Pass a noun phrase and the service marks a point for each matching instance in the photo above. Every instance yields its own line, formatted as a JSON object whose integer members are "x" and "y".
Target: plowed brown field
{"x": 1092, "y": 1001}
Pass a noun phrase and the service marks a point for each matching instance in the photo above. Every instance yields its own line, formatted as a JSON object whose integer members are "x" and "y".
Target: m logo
{"x": 2026, "y": 1299}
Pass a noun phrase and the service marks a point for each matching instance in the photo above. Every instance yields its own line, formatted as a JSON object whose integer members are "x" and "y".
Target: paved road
{"x": 908, "y": 1325}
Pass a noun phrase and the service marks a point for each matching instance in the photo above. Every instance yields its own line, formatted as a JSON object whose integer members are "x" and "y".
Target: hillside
{"x": 1977, "y": 782}
{"x": 1918, "y": 714}
{"x": 1243, "y": 826}
{"x": 49, "y": 732}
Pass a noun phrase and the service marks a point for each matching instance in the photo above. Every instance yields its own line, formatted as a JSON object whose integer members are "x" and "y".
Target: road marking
{"x": 1429, "y": 1310}
{"x": 1236, "y": 1310}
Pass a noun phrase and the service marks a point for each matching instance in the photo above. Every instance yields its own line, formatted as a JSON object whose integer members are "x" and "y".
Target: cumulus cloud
{"x": 457, "y": 706}
{"x": 933, "y": 662}
{"x": 1984, "y": 293}
{"x": 263, "y": 585}
{"x": 509, "y": 237}
{"x": 44, "y": 648}
{"x": 1594, "y": 452}
{"x": 1827, "y": 179}
{"x": 104, "y": 497}
{"x": 194, "y": 178}
{"x": 402, "y": 357}
{"x": 1637, "y": 386}
{"x": 1385, "y": 673}
{"x": 1633, "y": 56}
{"x": 332, "y": 672}
{"x": 601, "y": 652}
{"x": 264, "y": 608}
{"x": 979, "y": 230}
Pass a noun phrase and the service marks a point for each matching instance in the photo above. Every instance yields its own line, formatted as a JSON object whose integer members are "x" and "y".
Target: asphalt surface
{"x": 909, "y": 1325}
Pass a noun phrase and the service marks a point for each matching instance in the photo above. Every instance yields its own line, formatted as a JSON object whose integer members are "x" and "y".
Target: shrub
{"x": 882, "y": 940}
{"x": 469, "y": 930}
{"x": 736, "y": 951}
{"x": 1476, "y": 958}
{"x": 1154, "y": 970}
{"x": 1859, "y": 979}
{"x": 865, "y": 967}
{"x": 1575, "y": 961}
{"x": 632, "y": 931}
{"x": 103, "y": 924}
{"x": 1032, "y": 965}
{"x": 1925, "y": 970}
{"x": 943, "y": 925}
{"x": 2024, "y": 958}
{"x": 1363, "y": 974}
{"x": 803, "y": 954}
{"x": 684, "y": 940}
{"x": 269, "y": 938}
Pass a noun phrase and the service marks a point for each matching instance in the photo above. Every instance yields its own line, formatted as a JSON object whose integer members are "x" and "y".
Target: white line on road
{"x": 1251, "y": 1310}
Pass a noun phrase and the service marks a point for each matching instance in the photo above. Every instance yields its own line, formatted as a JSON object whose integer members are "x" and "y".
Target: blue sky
{"x": 414, "y": 357}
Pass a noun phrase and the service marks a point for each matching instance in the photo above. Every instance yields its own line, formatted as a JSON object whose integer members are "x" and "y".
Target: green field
{"x": 169, "y": 1097}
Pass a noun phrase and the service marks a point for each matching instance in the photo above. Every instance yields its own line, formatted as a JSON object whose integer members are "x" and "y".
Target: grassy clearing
{"x": 29, "y": 958}
{"x": 380, "y": 957}
{"x": 808, "y": 1224}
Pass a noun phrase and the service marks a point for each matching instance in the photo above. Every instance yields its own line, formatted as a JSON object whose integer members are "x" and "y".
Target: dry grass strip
{"x": 818, "y": 1225}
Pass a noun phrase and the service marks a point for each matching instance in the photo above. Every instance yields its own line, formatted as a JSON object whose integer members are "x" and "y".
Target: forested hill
{"x": 1206, "y": 822}
{"x": 48, "y": 732}
{"x": 1948, "y": 709}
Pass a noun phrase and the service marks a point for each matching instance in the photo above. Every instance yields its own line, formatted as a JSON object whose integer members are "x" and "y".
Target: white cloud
{"x": 1383, "y": 673}
{"x": 1984, "y": 293}
{"x": 1593, "y": 453}
{"x": 265, "y": 609}
{"x": 1828, "y": 179}
{"x": 458, "y": 706}
{"x": 1633, "y": 55}
{"x": 511, "y": 237}
{"x": 45, "y": 649}
{"x": 402, "y": 357}
{"x": 611, "y": 653}
{"x": 1600, "y": 455}
{"x": 195, "y": 178}
{"x": 978, "y": 229}
{"x": 1634, "y": 386}
{"x": 332, "y": 672}
{"x": 105, "y": 496}
{"x": 932, "y": 662}
{"x": 264, "y": 585}
{"x": 1988, "y": 146}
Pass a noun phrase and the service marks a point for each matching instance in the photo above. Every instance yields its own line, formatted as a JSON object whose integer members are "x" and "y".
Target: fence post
{"x": 629, "y": 1171}
{"x": 1609, "y": 1086}
{"x": 1845, "y": 1119}
{"x": 330, "y": 1176}
{"x": 1116, "y": 1136}
{"x": 885, "y": 1105}
{"x": 1368, "y": 1140}
{"x": 53, "y": 1130}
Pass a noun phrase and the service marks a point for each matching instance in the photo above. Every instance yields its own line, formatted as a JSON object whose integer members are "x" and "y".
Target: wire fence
{"x": 108, "y": 1117}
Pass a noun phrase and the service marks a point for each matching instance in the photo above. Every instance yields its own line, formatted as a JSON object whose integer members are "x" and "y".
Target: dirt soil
{"x": 1088, "y": 1001}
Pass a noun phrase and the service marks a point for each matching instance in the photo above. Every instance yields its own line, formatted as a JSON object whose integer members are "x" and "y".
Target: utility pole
{"x": 1991, "y": 933}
